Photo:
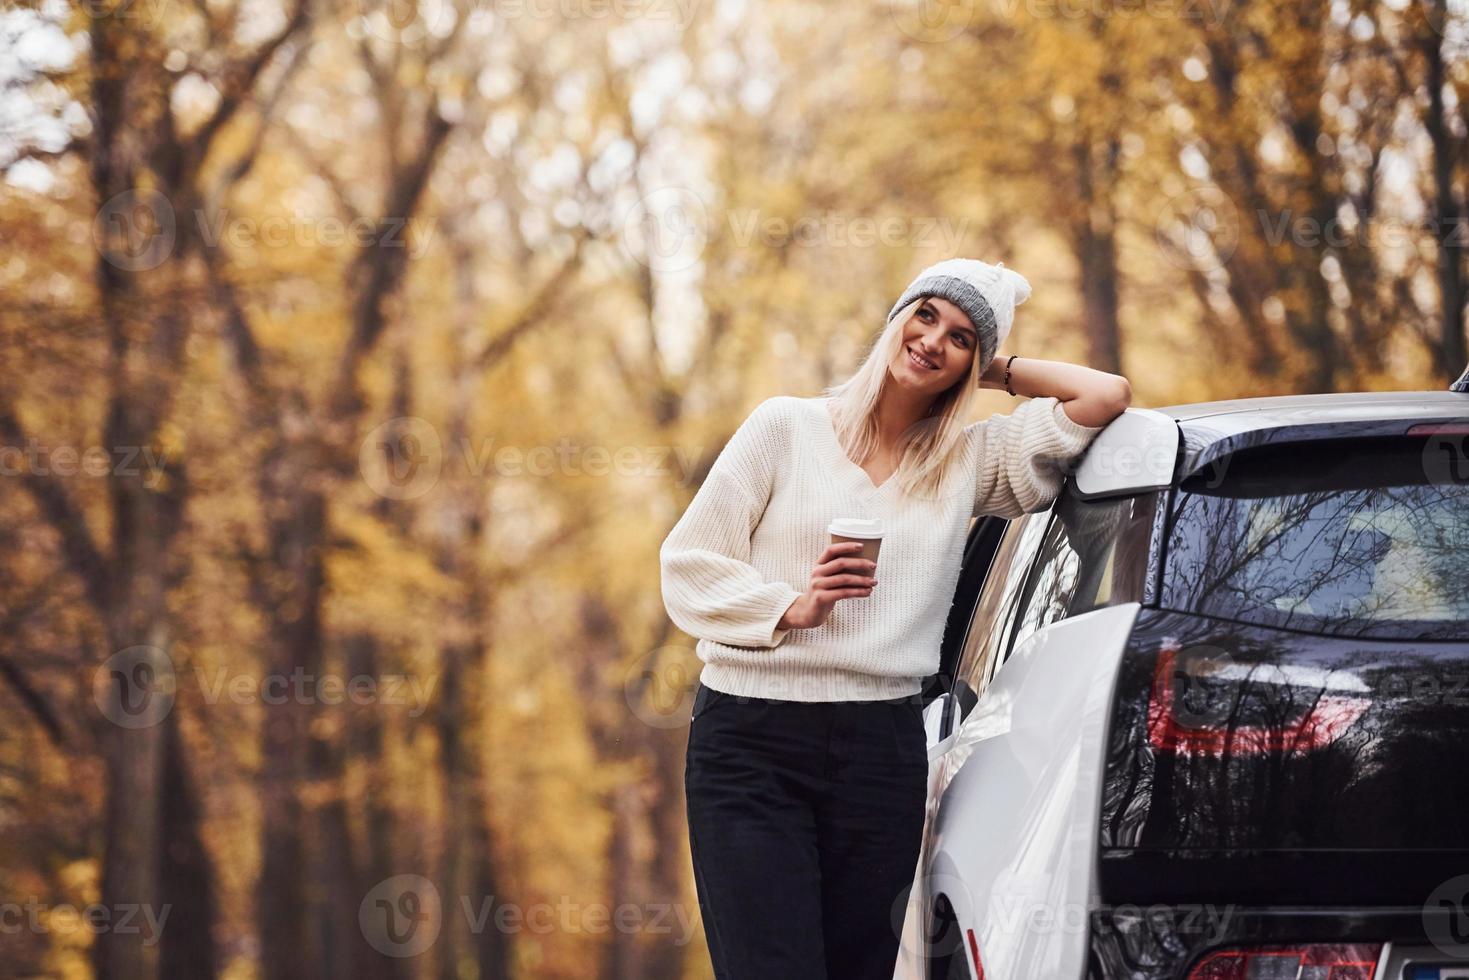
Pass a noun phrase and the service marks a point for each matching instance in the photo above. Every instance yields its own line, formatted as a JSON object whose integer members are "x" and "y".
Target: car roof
{"x": 1212, "y": 429}
{"x": 1151, "y": 448}
{"x": 1271, "y": 410}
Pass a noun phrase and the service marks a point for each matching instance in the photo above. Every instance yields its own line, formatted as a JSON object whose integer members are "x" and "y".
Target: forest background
{"x": 357, "y": 358}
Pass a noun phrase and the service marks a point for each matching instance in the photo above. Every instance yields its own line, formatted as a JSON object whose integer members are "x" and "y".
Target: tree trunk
{"x": 186, "y": 873}
{"x": 1096, "y": 253}
{"x": 1450, "y": 227}
{"x": 289, "y": 950}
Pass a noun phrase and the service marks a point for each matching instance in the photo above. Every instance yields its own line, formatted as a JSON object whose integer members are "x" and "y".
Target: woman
{"x": 807, "y": 758}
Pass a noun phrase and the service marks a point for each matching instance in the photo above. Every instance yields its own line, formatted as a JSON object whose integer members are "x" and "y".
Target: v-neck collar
{"x": 858, "y": 473}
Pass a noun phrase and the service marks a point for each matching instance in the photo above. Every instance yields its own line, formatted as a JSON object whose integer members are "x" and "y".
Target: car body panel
{"x": 1363, "y": 804}
{"x": 1323, "y": 407}
{"x": 1018, "y": 794}
{"x": 1135, "y": 452}
{"x": 1017, "y": 801}
{"x": 1214, "y": 429}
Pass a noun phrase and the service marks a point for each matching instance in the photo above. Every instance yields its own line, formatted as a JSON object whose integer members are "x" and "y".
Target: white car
{"x": 1209, "y": 711}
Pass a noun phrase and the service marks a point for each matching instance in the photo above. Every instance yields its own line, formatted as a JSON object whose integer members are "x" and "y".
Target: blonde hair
{"x": 929, "y": 451}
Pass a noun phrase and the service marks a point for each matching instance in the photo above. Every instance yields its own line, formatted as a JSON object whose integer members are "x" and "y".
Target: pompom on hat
{"x": 988, "y": 295}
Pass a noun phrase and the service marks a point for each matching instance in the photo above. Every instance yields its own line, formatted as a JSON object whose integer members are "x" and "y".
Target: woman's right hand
{"x": 840, "y": 573}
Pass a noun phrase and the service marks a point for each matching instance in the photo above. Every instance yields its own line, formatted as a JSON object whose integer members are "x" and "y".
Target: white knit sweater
{"x": 744, "y": 549}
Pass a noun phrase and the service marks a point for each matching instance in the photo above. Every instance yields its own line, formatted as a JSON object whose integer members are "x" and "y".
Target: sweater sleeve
{"x": 710, "y": 589}
{"x": 1023, "y": 457}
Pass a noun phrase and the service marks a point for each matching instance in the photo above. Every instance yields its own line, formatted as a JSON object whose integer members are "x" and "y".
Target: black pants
{"x": 805, "y": 822}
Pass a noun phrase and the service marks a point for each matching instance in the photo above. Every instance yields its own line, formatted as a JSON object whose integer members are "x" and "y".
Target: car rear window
{"x": 1347, "y": 537}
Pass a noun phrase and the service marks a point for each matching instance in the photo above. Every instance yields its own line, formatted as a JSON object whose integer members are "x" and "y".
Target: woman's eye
{"x": 963, "y": 340}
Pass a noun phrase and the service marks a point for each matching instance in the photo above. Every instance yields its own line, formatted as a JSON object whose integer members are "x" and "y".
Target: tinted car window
{"x": 1360, "y": 537}
{"x": 992, "y": 613}
{"x": 1095, "y": 554}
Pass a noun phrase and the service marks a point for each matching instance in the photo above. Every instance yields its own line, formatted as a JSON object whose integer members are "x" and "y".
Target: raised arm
{"x": 1088, "y": 396}
{"x": 1023, "y": 456}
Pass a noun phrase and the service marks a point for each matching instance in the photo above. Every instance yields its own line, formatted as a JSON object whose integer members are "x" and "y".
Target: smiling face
{"x": 938, "y": 346}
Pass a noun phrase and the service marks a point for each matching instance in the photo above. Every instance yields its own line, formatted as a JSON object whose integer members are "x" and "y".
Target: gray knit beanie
{"x": 988, "y": 295}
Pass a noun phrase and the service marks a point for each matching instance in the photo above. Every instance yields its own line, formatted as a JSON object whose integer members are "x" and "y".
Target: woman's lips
{"x": 913, "y": 356}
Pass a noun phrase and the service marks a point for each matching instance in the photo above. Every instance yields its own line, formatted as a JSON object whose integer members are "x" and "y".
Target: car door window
{"x": 1094, "y": 554}
{"x": 996, "y": 604}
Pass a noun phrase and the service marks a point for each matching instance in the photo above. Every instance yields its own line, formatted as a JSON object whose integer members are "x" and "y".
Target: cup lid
{"x": 856, "y": 527}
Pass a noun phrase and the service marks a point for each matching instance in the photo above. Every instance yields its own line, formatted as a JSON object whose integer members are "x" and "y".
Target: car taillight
{"x": 974, "y": 950}
{"x": 1317, "y": 961}
{"x": 1438, "y": 429}
{"x": 1203, "y": 701}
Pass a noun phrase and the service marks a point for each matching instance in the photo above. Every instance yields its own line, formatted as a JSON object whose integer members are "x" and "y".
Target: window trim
{"x": 1027, "y": 589}
{"x": 1156, "y": 499}
{"x": 1005, "y": 614}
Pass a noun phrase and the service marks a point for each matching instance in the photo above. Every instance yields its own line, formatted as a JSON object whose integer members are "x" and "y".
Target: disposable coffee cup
{"x": 868, "y": 532}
